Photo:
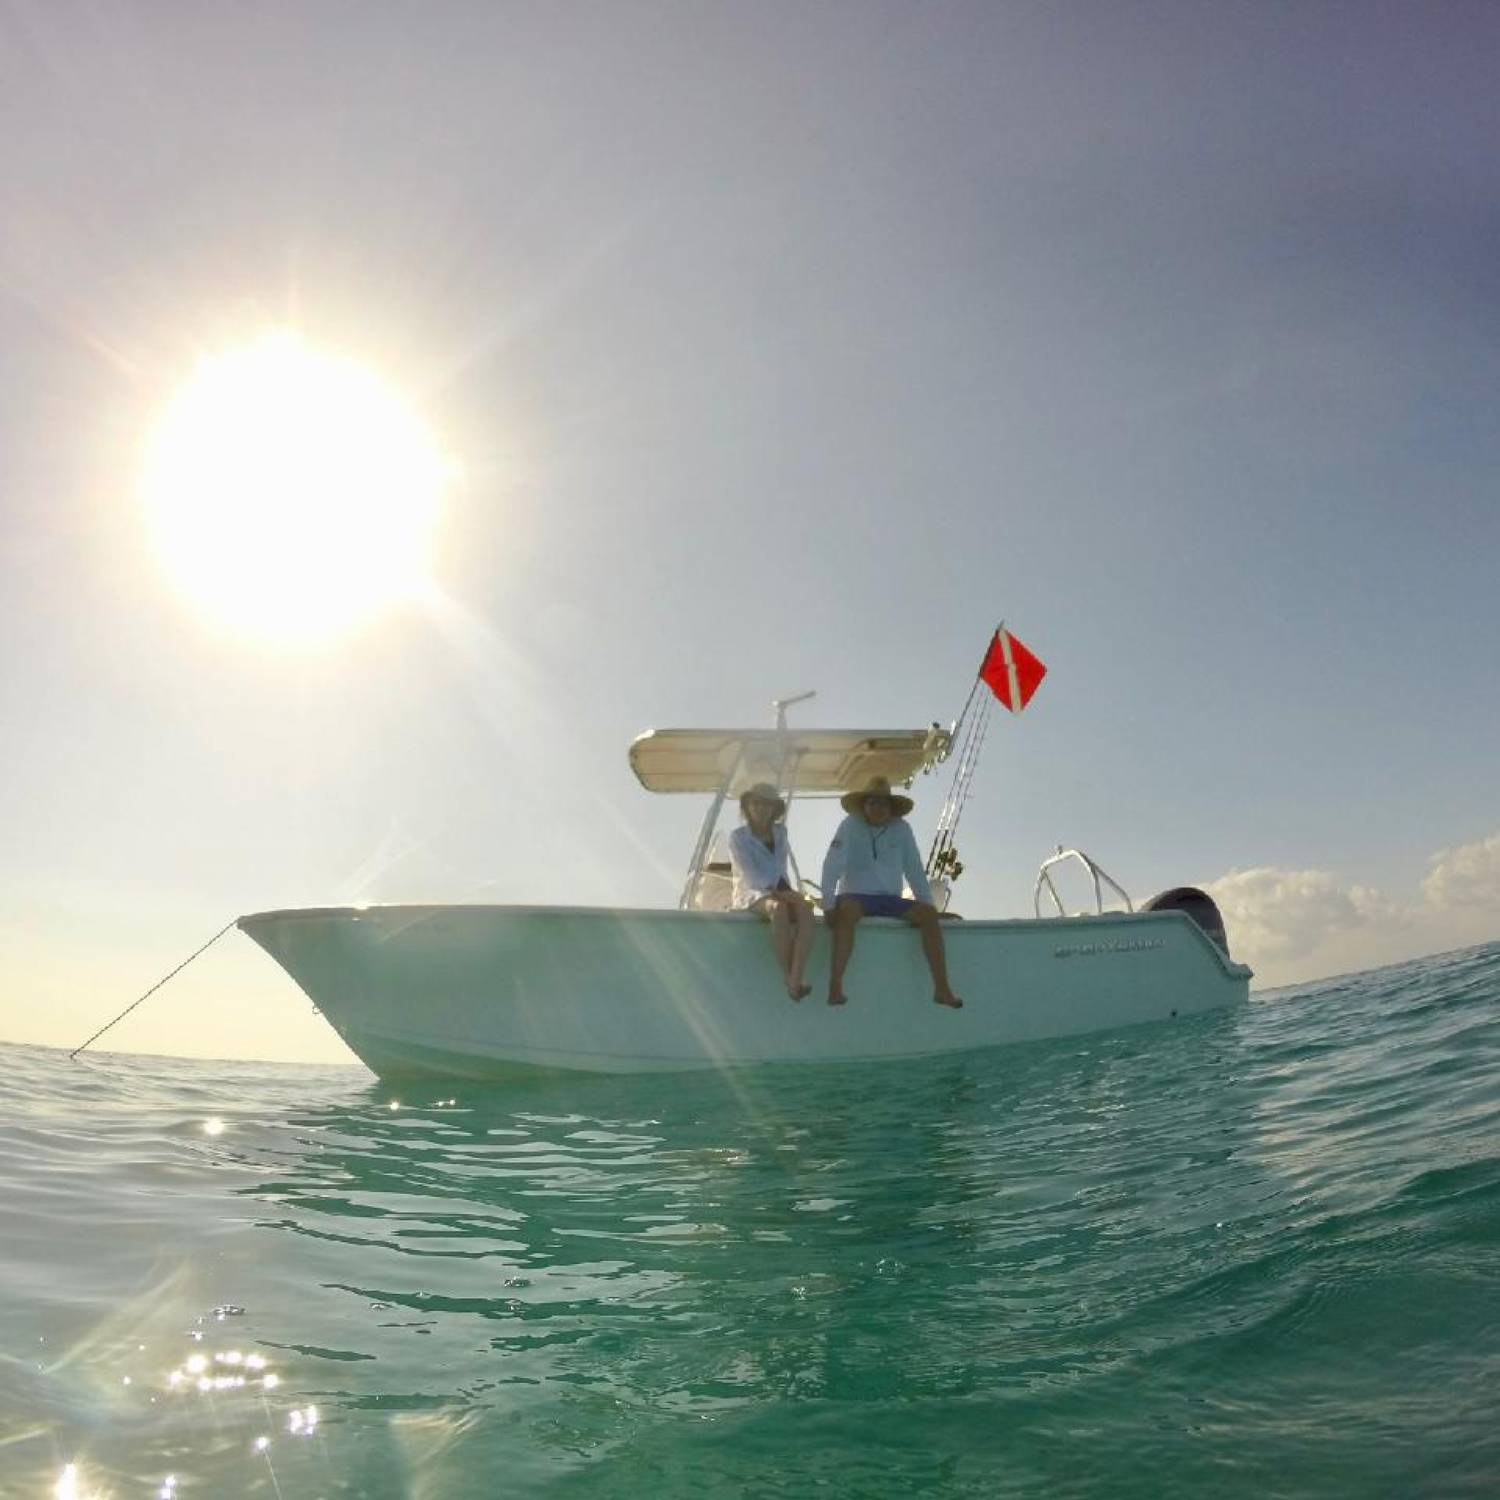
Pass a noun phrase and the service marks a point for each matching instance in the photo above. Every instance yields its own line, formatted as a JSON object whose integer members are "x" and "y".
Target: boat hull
{"x": 491, "y": 991}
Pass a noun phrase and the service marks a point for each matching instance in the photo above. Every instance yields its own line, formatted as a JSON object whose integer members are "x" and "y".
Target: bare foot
{"x": 950, "y": 1000}
{"x": 799, "y": 991}
{"x": 837, "y": 999}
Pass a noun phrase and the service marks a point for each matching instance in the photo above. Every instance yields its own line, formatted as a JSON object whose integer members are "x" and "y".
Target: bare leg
{"x": 781, "y": 933}
{"x": 845, "y": 919}
{"x": 802, "y": 939}
{"x": 925, "y": 919}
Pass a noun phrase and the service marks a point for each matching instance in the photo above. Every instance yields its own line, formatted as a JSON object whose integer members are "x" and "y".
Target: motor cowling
{"x": 1199, "y": 905}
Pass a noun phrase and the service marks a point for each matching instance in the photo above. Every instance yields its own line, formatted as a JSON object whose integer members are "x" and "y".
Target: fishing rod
{"x": 1012, "y": 674}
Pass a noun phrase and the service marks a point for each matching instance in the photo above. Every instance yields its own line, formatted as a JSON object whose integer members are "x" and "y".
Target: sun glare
{"x": 290, "y": 493}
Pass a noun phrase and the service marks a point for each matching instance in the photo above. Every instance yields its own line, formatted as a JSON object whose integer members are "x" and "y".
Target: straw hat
{"x": 876, "y": 786}
{"x": 767, "y": 793}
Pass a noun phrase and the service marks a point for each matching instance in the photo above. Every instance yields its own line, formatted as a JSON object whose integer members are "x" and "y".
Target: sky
{"x": 769, "y": 347}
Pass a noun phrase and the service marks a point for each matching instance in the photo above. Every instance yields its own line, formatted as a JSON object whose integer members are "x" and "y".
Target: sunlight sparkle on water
{"x": 68, "y": 1486}
{"x": 196, "y": 1373}
{"x": 302, "y": 1421}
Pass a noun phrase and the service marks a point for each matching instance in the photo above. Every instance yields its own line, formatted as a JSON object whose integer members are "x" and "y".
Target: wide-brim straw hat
{"x": 767, "y": 793}
{"x": 876, "y": 786}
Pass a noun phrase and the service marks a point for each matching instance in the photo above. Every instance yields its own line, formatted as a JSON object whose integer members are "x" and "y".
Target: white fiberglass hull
{"x": 489, "y": 991}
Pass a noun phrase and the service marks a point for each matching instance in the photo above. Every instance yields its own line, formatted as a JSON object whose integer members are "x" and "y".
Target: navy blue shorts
{"x": 880, "y": 906}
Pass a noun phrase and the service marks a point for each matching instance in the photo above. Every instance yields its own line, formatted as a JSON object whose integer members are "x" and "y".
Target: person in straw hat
{"x": 873, "y": 856}
{"x": 758, "y": 853}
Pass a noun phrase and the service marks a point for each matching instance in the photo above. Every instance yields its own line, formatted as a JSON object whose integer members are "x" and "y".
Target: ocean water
{"x": 1253, "y": 1254}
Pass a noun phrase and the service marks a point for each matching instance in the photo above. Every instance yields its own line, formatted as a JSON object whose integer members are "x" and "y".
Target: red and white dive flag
{"x": 1010, "y": 671}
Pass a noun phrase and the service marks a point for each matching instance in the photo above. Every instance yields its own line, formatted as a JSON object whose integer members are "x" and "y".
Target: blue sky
{"x": 779, "y": 346}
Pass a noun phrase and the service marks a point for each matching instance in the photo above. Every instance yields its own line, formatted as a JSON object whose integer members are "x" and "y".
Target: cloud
{"x": 1465, "y": 877}
{"x": 1276, "y": 915}
{"x": 1293, "y": 925}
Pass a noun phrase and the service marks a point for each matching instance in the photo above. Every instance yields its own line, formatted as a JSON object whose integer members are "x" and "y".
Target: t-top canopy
{"x": 804, "y": 761}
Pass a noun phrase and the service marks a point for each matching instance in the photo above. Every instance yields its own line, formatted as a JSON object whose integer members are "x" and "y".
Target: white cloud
{"x": 1286, "y": 914}
{"x": 1294, "y": 925}
{"x": 1465, "y": 877}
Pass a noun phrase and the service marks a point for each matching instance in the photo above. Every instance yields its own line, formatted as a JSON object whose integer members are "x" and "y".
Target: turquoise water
{"x": 1250, "y": 1254}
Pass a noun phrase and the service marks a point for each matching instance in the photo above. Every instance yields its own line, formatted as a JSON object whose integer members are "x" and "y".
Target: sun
{"x": 290, "y": 493}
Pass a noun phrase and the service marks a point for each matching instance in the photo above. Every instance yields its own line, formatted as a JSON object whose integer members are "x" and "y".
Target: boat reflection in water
{"x": 657, "y": 1282}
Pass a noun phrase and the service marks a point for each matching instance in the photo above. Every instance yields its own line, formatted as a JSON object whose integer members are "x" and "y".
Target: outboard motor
{"x": 1199, "y": 905}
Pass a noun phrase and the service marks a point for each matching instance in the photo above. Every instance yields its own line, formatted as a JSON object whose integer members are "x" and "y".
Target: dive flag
{"x": 1010, "y": 671}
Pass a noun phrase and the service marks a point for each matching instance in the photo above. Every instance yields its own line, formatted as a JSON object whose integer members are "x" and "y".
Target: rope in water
{"x": 180, "y": 967}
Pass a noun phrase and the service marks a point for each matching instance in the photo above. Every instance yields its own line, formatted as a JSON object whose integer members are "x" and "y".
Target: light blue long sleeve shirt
{"x": 866, "y": 861}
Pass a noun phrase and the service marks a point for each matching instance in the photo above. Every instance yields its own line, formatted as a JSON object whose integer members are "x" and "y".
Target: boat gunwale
{"x": 1230, "y": 966}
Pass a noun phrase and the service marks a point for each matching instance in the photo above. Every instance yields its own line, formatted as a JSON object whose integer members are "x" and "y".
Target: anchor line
{"x": 180, "y": 967}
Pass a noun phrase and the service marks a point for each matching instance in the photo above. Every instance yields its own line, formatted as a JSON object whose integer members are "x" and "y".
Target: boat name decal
{"x": 1120, "y": 945}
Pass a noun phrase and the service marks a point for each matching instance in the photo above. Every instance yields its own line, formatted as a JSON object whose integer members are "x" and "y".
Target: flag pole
{"x": 1012, "y": 676}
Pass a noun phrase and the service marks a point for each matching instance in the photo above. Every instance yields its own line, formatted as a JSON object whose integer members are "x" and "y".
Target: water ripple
{"x": 1255, "y": 1252}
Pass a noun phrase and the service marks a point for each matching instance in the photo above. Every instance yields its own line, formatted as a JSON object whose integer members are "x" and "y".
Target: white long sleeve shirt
{"x": 866, "y": 861}
{"x": 757, "y": 870}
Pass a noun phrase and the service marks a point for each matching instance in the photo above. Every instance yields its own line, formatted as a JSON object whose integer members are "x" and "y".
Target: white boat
{"x": 477, "y": 992}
